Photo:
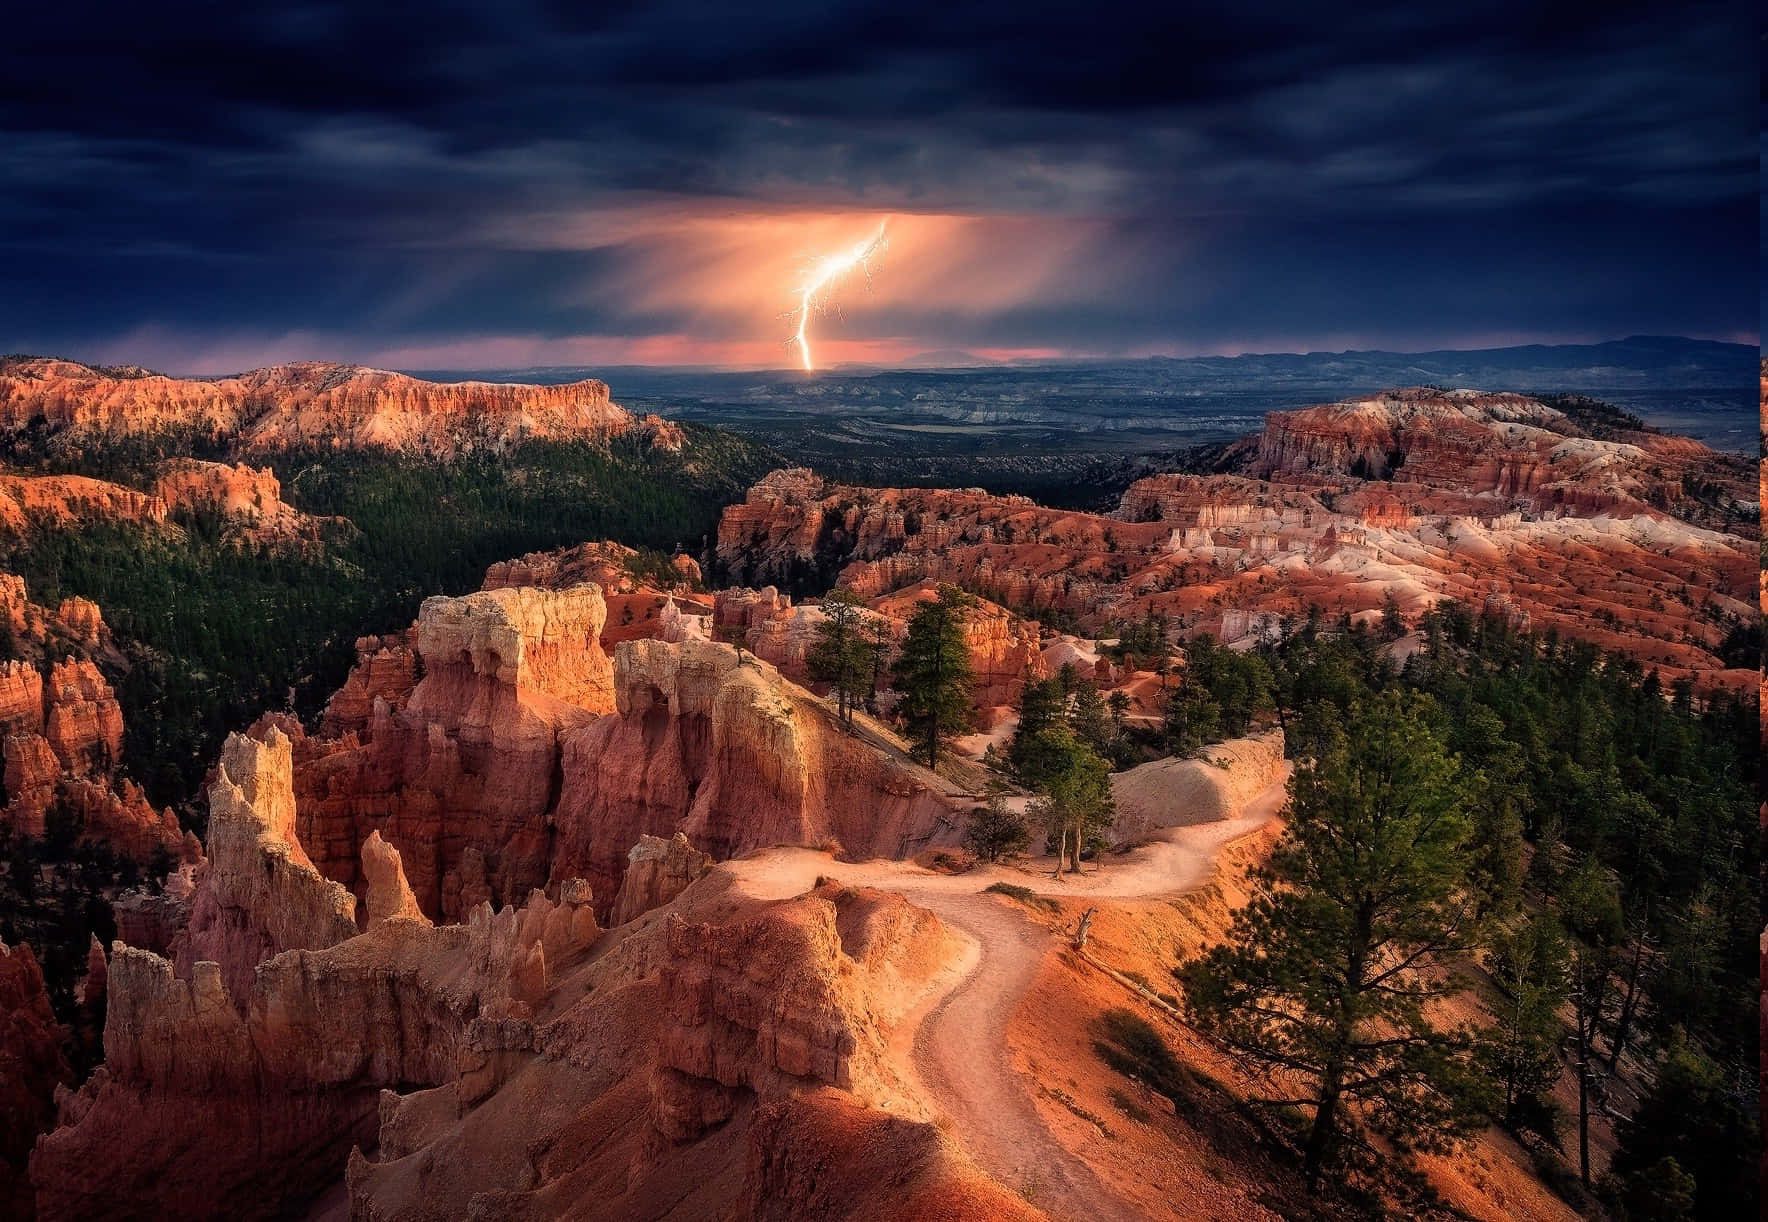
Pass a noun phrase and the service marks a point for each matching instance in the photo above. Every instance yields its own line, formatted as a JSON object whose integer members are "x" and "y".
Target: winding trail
{"x": 957, "y": 1037}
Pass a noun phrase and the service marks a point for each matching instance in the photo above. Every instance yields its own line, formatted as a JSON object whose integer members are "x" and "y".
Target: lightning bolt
{"x": 821, "y": 281}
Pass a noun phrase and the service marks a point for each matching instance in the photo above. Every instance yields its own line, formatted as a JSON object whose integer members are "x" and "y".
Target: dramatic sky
{"x": 202, "y": 187}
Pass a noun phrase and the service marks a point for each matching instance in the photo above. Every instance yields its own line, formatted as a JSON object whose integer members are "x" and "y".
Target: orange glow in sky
{"x": 824, "y": 278}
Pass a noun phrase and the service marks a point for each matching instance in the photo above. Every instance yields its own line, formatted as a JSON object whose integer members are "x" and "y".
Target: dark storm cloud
{"x": 397, "y": 176}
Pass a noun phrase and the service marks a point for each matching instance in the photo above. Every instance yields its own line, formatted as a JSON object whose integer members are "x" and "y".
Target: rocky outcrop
{"x": 1636, "y": 541}
{"x": 657, "y": 870}
{"x": 258, "y": 893}
{"x": 1507, "y": 448}
{"x": 690, "y": 1075}
{"x": 736, "y": 757}
{"x": 1176, "y": 792}
{"x": 32, "y": 1068}
{"x": 385, "y": 671}
{"x": 461, "y": 769}
{"x": 800, "y": 995}
{"x": 313, "y": 402}
{"x": 498, "y": 1071}
{"x": 543, "y": 642}
{"x": 251, "y": 497}
{"x": 82, "y": 719}
{"x": 791, "y": 1174}
{"x": 641, "y": 597}
{"x": 207, "y": 1109}
{"x": 63, "y": 737}
{"x": 27, "y": 501}
{"x": 389, "y": 895}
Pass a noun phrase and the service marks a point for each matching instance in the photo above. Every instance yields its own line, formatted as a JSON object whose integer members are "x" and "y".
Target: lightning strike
{"x": 821, "y": 281}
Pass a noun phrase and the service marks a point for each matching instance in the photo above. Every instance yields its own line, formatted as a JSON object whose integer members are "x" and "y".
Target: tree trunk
{"x": 1320, "y": 1136}
{"x": 1061, "y": 849}
{"x": 1583, "y": 1038}
{"x": 1628, "y": 1004}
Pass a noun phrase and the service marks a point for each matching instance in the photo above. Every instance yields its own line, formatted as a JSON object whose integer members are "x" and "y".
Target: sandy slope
{"x": 958, "y": 1038}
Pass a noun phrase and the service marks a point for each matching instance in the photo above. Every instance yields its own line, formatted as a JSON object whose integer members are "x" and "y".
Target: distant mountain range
{"x": 1634, "y": 362}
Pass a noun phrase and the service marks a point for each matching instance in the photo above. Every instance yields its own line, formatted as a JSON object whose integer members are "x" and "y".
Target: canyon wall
{"x": 1418, "y": 496}
{"x": 313, "y": 402}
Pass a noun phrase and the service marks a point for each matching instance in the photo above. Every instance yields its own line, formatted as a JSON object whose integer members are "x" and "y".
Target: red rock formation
{"x": 385, "y": 670}
{"x": 389, "y": 895}
{"x": 82, "y": 720}
{"x": 793, "y": 995}
{"x": 82, "y": 621}
{"x": 208, "y": 1110}
{"x": 31, "y": 1069}
{"x": 56, "y": 500}
{"x": 1462, "y": 490}
{"x": 822, "y": 1155}
{"x": 1004, "y": 648}
{"x": 638, "y": 606}
{"x": 63, "y": 738}
{"x": 313, "y": 402}
{"x": 258, "y": 893}
{"x": 736, "y": 757}
{"x": 1506, "y": 446}
{"x": 460, "y": 770}
{"x": 250, "y": 496}
{"x": 722, "y": 1029}
{"x": 657, "y": 871}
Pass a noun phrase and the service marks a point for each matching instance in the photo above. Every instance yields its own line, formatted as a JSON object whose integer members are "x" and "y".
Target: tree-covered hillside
{"x": 219, "y": 629}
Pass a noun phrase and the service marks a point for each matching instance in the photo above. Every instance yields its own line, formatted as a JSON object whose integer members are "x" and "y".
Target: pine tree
{"x": 1531, "y": 966}
{"x": 1693, "y": 1116}
{"x": 1328, "y": 969}
{"x": 841, "y": 656}
{"x": 1041, "y": 707}
{"x": 1090, "y": 719}
{"x": 994, "y": 830}
{"x": 1074, "y": 794}
{"x": 1590, "y": 906}
{"x": 933, "y": 674}
{"x": 1497, "y": 844}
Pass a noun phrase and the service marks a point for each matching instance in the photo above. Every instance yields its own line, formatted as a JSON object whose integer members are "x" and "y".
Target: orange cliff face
{"x": 1004, "y": 648}
{"x": 1498, "y": 448}
{"x": 720, "y": 1043}
{"x": 525, "y": 753}
{"x": 314, "y": 402}
{"x": 1551, "y": 526}
{"x": 249, "y": 498}
{"x": 32, "y": 1068}
{"x": 61, "y": 733}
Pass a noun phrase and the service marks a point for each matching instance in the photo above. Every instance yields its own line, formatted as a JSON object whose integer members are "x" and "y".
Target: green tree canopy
{"x": 1324, "y": 978}
{"x": 933, "y": 674}
{"x": 842, "y": 654}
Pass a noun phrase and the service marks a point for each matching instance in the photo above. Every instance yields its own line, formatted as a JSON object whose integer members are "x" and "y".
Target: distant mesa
{"x": 312, "y": 403}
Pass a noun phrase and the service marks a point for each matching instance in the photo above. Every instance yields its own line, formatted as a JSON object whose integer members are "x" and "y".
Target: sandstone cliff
{"x": 258, "y": 893}
{"x": 461, "y": 768}
{"x": 312, "y": 402}
{"x": 1417, "y": 495}
{"x": 735, "y": 757}
{"x": 248, "y": 499}
{"x": 707, "y": 1061}
{"x": 715, "y": 1062}
{"x": 209, "y": 1109}
{"x": 61, "y": 732}
{"x": 31, "y": 1069}
{"x": 657, "y": 871}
